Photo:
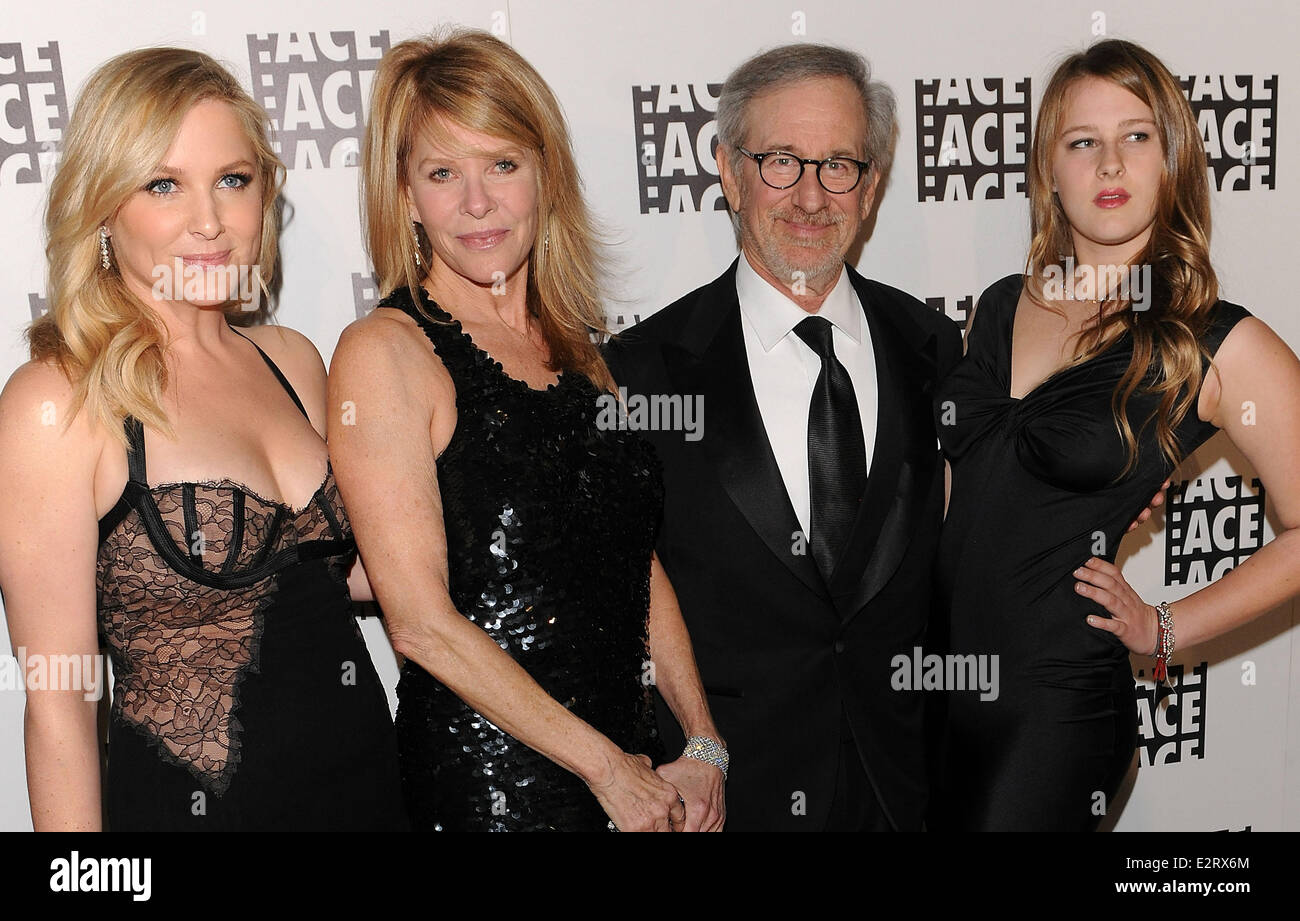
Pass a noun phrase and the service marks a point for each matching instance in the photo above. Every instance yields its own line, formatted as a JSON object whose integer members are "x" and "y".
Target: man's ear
{"x": 869, "y": 196}
{"x": 731, "y": 183}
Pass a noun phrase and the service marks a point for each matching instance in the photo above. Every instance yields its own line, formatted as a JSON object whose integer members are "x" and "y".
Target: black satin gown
{"x": 551, "y": 520}
{"x": 1032, "y": 499}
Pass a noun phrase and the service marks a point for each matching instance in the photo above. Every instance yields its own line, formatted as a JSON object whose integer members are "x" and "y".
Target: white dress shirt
{"x": 784, "y": 371}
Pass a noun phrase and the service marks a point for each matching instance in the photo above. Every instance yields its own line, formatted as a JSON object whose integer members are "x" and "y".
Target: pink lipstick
{"x": 483, "y": 239}
{"x": 207, "y": 259}
{"x": 1111, "y": 198}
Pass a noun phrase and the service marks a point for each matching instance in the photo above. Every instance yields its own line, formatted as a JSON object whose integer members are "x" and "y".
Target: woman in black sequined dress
{"x": 508, "y": 535}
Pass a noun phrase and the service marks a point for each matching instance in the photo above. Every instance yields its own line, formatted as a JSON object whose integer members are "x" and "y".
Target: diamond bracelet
{"x": 710, "y": 751}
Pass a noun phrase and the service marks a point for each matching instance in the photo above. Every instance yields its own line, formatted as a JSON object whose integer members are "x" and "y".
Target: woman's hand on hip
{"x": 1131, "y": 619}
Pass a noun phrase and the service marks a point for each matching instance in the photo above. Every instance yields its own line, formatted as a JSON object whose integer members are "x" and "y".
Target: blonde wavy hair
{"x": 109, "y": 344}
{"x": 474, "y": 80}
{"x": 1166, "y": 336}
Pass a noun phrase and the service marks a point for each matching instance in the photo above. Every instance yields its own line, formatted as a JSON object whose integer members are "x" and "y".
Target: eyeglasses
{"x": 781, "y": 170}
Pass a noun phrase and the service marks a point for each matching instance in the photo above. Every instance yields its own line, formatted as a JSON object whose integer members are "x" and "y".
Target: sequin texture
{"x": 550, "y": 524}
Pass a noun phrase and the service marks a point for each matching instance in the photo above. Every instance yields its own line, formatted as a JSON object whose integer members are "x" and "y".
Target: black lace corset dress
{"x": 244, "y": 696}
{"x": 551, "y": 521}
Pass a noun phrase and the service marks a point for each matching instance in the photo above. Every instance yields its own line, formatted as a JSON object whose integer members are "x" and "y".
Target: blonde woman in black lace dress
{"x": 214, "y": 565}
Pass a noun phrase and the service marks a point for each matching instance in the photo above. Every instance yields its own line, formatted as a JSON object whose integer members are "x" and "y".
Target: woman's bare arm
{"x": 1255, "y": 398}
{"x": 1258, "y": 406}
{"x": 678, "y": 679}
{"x": 48, "y": 546}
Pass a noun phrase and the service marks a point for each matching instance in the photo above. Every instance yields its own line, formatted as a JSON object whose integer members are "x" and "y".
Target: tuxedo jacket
{"x": 785, "y": 654}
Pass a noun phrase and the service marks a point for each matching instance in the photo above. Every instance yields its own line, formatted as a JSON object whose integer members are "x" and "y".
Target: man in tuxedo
{"x": 799, "y": 531}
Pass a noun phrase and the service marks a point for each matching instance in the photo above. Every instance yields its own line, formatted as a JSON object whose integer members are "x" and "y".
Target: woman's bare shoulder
{"x": 40, "y": 424}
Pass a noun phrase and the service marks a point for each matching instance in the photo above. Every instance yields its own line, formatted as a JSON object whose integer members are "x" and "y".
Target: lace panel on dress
{"x": 181, "y": 646}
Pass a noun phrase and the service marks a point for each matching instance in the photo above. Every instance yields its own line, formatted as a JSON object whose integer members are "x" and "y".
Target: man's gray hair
{"x": 789, "y": 64}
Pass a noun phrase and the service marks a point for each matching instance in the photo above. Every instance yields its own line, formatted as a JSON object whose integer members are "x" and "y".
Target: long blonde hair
{"x": 109, "y": 344}
{"x": 1183, "y": 281}
{"x": 474, "y": 80}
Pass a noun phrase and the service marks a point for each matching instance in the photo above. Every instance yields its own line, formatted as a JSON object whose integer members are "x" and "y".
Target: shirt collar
{"x": 773, "y": 315}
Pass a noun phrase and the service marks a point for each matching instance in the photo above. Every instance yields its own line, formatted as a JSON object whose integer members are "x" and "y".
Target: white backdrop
{"x": 638, "y": 83}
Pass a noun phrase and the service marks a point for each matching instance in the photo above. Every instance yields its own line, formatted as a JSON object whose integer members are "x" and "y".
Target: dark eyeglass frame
{"x": 758, "y": 158}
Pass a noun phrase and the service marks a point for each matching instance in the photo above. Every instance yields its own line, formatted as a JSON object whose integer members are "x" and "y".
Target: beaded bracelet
{"x": 710, "y": 751}
{"x": 1164, "y": 650}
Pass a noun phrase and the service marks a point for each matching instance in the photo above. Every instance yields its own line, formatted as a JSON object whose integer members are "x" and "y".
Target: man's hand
{"x": 1157, "y": 501}
{"x": 700, "y": 785}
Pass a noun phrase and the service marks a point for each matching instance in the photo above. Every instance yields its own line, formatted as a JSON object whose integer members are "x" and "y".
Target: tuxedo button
{"x": 839, "y": 645}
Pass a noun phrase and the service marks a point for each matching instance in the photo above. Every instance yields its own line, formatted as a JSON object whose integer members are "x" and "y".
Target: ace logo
{"x": 676, "y": 125}
{"x": 972, "y": 138}
{"x": 365, "y": 293}
{"x": 33, "y": 111}
{"x": 1171, "y": 724}
{"x": 957, "y": 309}
{"x": 1238, "y": 121}
{"x": 315, "y": 87}
{"x": 1213, "y": 524}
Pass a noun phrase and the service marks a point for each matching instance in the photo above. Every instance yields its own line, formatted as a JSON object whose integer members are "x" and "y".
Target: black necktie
{"x": 837, "y": 453}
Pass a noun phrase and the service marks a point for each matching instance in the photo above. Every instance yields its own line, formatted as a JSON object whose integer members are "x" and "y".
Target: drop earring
{"x": 103, "y": 246}
{"x": 415, "y": 234}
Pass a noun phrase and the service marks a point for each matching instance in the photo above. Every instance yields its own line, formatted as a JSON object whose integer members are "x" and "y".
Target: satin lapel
{"x": 736, "y": 440}
{"x": 903, "y": 432}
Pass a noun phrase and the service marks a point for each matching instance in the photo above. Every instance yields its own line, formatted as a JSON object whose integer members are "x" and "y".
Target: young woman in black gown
{"x": 509, "y": 535}
{"x": 244, "y": 696}
{"x": 1046, "y": 476}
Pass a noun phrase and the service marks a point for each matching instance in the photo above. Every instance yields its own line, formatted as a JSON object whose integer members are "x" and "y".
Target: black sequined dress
{"x": 550, "y": 522}
{"x": 244, "y": 697}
